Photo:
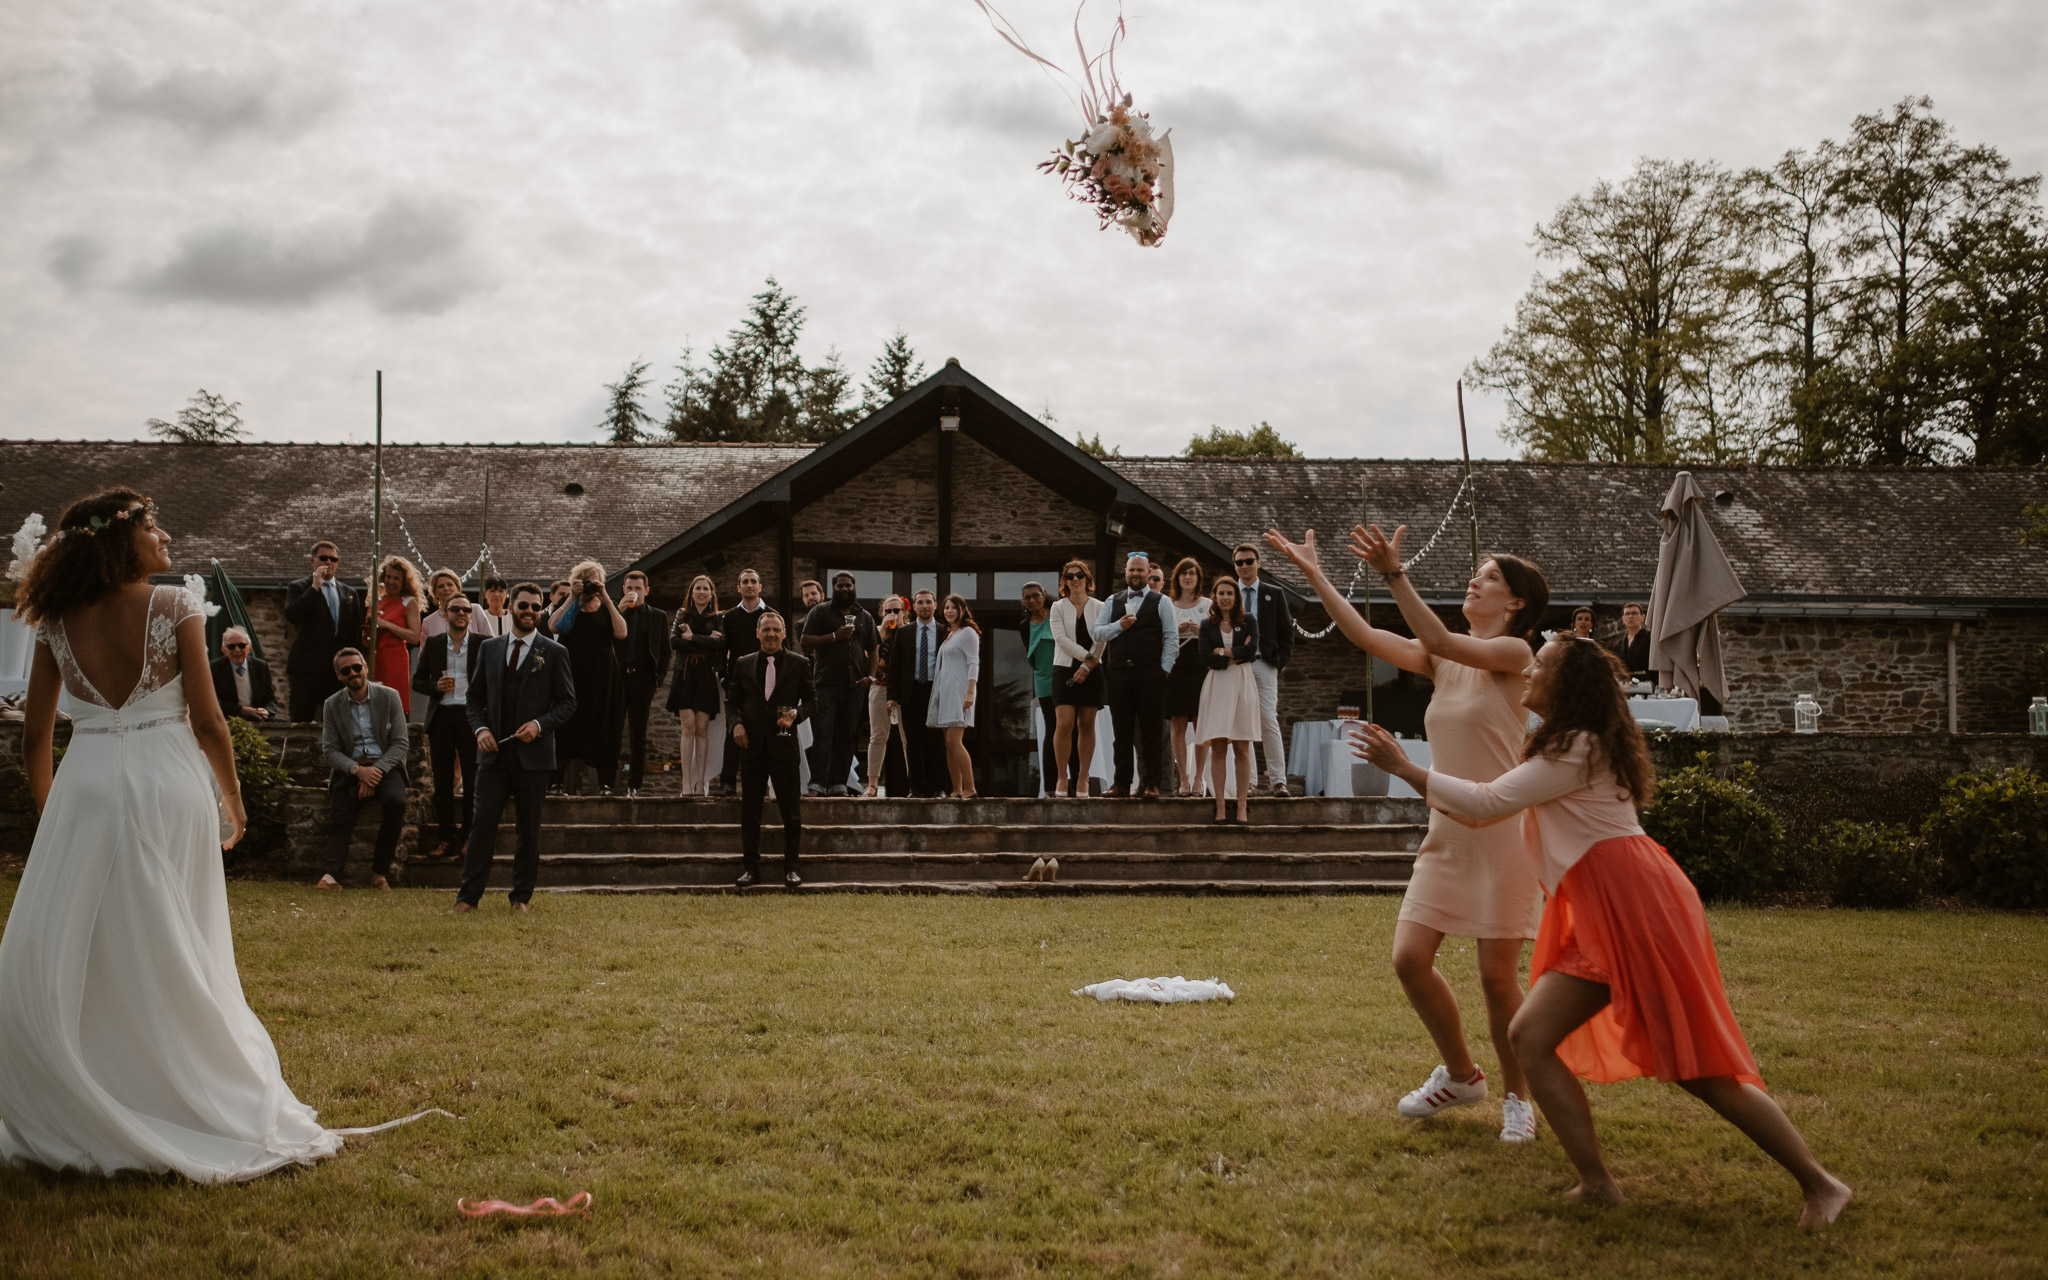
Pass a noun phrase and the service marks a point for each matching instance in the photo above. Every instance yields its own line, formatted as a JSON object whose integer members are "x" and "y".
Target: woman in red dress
{"x": 1624, "y": 981}
{"x": 397, "y": 625}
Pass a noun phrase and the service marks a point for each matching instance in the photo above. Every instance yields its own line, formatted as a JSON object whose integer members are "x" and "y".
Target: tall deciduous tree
{"x": 894, "y": 372}
{"x": 625, "y": 419}
{"x": 1631, "y": 349}
{"x": 1796, "y": 280}
{"x": 757, "y": 387}
{"x": 205, "y": 419}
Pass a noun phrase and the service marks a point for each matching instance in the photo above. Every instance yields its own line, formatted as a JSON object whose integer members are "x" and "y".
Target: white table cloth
{"x": 1305, "y": 752}
{"x": 1682, "y": 714}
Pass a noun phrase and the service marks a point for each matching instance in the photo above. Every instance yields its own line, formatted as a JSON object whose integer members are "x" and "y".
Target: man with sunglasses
{"x": 1265, "y": 607}
{"x": 326, "y": 616}
{"x": 447, "y": 668}
{"x": 241, "y": 682}
{"x": 364, "y": 736}
{"x": 523, "y": 692}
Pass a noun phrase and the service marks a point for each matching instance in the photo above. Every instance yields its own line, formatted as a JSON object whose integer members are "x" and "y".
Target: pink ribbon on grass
{"x": 545, "y": 1207}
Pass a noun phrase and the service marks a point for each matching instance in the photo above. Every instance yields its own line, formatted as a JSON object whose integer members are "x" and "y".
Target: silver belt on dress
{"x": 154, "y": 722}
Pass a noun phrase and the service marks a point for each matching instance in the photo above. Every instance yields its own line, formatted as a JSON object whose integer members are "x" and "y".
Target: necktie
{"x": 333, "y": 601}
{"x": 241, "y": 671}
{"x": 768, "y": 679}
{"x": 924, "y": 653}
{"x": 517, "y": 645}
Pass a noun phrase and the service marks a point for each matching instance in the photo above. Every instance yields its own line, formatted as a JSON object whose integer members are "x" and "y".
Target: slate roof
{"x": 258, "y": 507}
{"x": 1794, "y": 533}
{"x": 1860, "y": 533}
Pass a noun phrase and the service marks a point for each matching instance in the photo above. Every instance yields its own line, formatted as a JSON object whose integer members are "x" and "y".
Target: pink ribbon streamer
{"x": 545, "y": 1207}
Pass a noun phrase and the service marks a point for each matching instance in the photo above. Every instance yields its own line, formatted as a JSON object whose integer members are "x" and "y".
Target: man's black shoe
{"x": 791, "y": 880}
{"x": 747, "y": 880}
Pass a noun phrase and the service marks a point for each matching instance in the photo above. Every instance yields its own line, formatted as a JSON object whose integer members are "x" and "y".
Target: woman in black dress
{"x": 1184, "y": 682}
{"x": 699, "y": 642}
{"x": 591, "y": 627}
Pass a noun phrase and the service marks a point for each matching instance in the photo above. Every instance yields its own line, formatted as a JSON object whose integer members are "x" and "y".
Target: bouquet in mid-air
{"x": 1117, "y": 165}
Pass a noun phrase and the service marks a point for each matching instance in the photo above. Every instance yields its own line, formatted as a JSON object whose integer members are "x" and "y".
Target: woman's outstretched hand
{"x": 1378, "y": 747}
{"x": 1376, "y": 548}
{"x": 1302, "y": 553}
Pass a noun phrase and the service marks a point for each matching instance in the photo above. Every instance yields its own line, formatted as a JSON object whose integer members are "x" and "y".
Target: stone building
{"x": 1902, "y": 598}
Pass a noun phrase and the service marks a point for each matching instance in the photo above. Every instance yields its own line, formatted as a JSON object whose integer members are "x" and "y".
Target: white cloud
{"x": 210, "y": 105}
{"x": 807, "y": 37}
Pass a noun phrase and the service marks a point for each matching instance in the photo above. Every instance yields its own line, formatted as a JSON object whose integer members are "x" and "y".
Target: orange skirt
{"x": 1625, "y": 915}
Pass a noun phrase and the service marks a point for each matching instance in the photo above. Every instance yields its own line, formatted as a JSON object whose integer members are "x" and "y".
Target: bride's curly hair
{"x": 92, "y": 552}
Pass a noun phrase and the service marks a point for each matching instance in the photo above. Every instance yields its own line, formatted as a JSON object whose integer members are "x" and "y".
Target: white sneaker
{"x": 1517, "y": 1120}
{"x": 1441, "y": 1093}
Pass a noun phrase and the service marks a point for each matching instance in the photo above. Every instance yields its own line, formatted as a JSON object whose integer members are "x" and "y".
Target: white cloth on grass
{"x": 1174, "y": 990}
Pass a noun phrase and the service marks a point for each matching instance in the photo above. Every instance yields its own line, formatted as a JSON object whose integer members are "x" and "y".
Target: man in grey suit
{"x": 522, "y": 694}
{"x": 363, "y": 734}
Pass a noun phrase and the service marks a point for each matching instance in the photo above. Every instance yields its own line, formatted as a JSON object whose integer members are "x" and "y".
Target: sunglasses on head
{"x": 352, "y": 668}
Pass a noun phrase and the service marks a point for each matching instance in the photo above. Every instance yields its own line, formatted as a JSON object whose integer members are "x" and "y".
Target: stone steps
{"x": 822, "y": 811}
{"x": 1022, "y": 889}
{"x": 713, "y": 870}
{"x": 1048, "y": 838}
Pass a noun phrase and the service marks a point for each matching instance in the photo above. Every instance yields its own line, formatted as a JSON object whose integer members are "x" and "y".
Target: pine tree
{"x": 205, "y": 419}
{"x": 894, "y": 372}
{"x": 757, "y": 388}
{"x": 624, "y": 418}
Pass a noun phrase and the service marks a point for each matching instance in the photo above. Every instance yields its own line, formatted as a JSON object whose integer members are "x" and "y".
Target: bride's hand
{"x": 1376, "y": 549}
{"x": 231, "y": 808}
{"x": 1302, "y": 553}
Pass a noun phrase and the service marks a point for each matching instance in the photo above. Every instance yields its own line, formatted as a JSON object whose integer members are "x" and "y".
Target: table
{"x": 1682, "y": 714}
{"x": 1305, "y": 750}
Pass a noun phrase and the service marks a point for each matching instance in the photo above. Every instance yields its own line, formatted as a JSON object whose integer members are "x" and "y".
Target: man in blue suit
{"x": 525, "y": 694}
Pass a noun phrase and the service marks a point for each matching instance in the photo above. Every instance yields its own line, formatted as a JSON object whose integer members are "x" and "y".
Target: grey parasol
{"x": 1694, "y": 582}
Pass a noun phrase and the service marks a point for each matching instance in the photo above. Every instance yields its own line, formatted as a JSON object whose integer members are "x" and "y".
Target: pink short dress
{"x": 1474, "y": 882}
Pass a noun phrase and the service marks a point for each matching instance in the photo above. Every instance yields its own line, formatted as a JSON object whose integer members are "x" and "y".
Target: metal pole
{"x": 377, "y": 495}
{"x": 1471, "y": 494}
{"x": 1372, "y": 664}
{"x": 485, "y": 568}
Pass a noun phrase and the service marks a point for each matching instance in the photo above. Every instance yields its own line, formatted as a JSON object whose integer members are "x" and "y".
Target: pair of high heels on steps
{"x": 1044, "y": 869}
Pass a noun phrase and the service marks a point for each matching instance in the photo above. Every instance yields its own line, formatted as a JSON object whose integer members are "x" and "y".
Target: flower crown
{"x": 92, "y": 527}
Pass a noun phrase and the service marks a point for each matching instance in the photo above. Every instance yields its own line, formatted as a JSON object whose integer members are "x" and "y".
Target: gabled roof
{"x": 1863, "y": 533}
{"x": 257, "y": 507}
{"x": 985, "y": 417}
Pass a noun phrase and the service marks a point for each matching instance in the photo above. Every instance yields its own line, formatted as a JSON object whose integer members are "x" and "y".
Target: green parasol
{"x": 233, "y": 613}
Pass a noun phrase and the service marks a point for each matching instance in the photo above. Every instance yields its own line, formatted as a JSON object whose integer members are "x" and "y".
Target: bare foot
{"x": 521, "y": 908}
{"x": 1595, "y": 1193}
{"x": 379, "y": 882}
{"x": 460, "y": 907}
{"x": 1825, "y": 1205}
{"x": 327, "y": 882}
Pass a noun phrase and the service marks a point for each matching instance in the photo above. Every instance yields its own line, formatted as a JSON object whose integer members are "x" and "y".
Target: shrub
{"x": 1991, "y": 833}
{"x": 1876, "y": 864}
{"x": 1718, "y": 831}
{"x": 263, "y": 784}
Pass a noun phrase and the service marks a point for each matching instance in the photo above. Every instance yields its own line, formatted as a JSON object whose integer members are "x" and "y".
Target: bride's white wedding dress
{"x": 125, "y": 1042}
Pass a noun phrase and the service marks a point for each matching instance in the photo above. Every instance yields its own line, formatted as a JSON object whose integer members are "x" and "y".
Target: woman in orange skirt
{"x": 1624, "y": 981}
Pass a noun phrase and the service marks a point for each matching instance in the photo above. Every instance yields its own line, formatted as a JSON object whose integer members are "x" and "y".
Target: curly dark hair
{"x": 92, "y": 552}
{"x": 1588, "y": 699}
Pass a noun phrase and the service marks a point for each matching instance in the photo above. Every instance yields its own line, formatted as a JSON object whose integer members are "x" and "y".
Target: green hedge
{"x": 1726, "y": 839}
{"x": 1875, "y": 864}
{"x": 263, "y": 783}
{"x": 1990, "y": 831}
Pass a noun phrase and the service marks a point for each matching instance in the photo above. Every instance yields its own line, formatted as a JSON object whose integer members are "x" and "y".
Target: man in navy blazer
{"x": 1266, "y": 606}
{"x": 523, "y": 693}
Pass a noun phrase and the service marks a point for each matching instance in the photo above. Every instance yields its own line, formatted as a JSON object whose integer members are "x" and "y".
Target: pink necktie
{"x": 768, "y": 681}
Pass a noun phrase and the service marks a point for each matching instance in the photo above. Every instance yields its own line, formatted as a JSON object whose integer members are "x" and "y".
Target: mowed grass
{"x": 884, "y": 1086}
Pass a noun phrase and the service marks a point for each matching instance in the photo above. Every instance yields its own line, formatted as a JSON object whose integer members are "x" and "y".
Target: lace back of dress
{"x": 168, "y": 606}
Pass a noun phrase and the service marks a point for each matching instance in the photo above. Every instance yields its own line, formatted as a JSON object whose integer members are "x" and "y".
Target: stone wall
{"x": 895, "y": 502}
{"x": 996, "y": 505}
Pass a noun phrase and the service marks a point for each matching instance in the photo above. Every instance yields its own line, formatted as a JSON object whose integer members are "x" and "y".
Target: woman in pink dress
{"x": 397, "y": 625}
{"x": 1462, "y": 885}
{"x": 1624, "y": 982}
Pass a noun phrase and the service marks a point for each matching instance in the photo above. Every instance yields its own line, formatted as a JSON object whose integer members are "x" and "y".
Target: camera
{"x": 591, "y": 587}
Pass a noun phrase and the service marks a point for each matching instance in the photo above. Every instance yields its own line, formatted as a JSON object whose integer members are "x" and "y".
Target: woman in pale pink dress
{"x": 1462, "y": 885}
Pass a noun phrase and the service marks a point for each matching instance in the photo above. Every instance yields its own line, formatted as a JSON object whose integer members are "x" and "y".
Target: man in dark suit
{"x": 767, "y": 696}
{"x": 1632, "y": 646}
{"x": 326, "y": 616}
{"x": 913, "y": 661}
{"x": 740, "y": 641}
{"x": 1134, "y": 657}
{"x": 242, "y": 683}
{"x": 1265, "y": 606}
{"x": 446, "y": 674}
{"x": 644, "y": 655}
{"x": 523, "y": 693}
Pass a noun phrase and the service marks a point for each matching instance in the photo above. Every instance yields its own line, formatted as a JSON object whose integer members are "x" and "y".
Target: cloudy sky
{"x": 502, "y": 203}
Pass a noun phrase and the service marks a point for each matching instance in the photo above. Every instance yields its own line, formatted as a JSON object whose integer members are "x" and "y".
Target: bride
{"x": 125, "y": 1042}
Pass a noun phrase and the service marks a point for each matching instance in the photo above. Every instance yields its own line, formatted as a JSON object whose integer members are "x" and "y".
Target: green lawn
{"x": 903, "y": 1086}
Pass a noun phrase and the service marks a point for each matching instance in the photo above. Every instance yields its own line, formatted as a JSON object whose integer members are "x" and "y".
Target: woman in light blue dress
{"x": 952, "y": 705}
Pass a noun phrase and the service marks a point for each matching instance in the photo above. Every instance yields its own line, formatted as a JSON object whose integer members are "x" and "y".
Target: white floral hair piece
{"x": 28, "y": 544}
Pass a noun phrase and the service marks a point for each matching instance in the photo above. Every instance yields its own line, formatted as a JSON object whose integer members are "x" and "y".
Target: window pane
{"x": 1010, "y": 585}
{"x": 924, "y": 582}
{"x": 869, "y": 585}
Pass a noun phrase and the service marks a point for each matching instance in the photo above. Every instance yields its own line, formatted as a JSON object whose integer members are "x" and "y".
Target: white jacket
{"x": 1067, "y": 651}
